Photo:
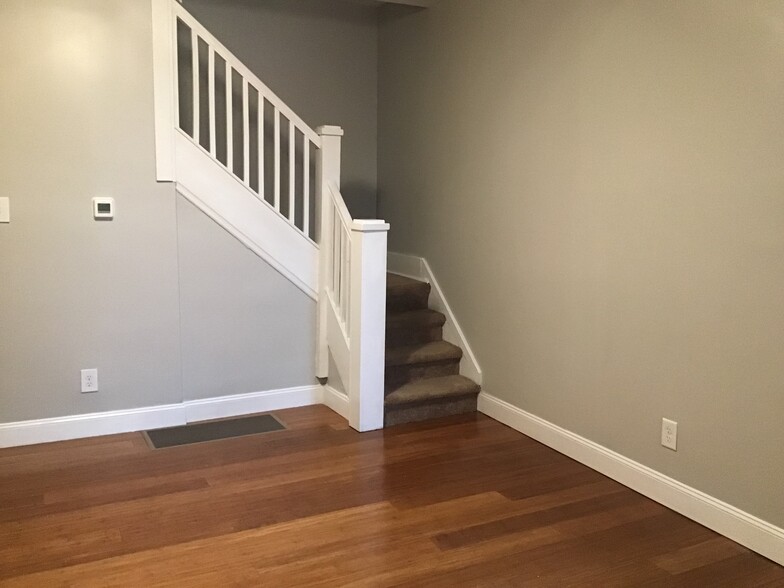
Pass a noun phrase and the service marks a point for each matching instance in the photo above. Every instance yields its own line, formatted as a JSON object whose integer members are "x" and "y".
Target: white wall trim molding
{"x": 155, "y": 417}
{"x": 406, "y": 265}
{"x": 336, "y": 400}
{"x": 240, "y": 404}
{"x": 163, "y": 83}
{"x": 90, "y": 425}
{"x": 740, "y": 526}
{"x": 417, "y": 267}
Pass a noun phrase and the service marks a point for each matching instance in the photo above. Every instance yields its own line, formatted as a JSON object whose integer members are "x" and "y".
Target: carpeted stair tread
{"x": 432, "y": 389}
{"x": 414, "y": 327}
{"x": 421, "y": 379}
{"x": 436, "y": 351}
{"x": 406, "y": 293}
{"x": 420, "y": 318}
{"x": 398, "y": 282}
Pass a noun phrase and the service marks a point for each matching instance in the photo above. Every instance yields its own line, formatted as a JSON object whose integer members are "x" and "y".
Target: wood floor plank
{"x": 542, "y": 518}
{"x": 462, "y": 501}
{"x": 745, "y": 569}
{"x": 699, "y": 555}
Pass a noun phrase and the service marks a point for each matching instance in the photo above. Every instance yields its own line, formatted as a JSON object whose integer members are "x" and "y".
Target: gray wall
{"x": 245, "y": 328}
{"x": 320, "y": 58}
{"x": 76, "y": 293}
{"x": 600, "y": 191}
{"x": 76, "y": 110}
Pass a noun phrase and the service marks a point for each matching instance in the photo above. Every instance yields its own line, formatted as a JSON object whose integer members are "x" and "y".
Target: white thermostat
{"x": 103, "y": 208}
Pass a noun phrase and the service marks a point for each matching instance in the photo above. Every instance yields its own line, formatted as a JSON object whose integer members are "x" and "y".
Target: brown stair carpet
{"x": 422, "y": 378}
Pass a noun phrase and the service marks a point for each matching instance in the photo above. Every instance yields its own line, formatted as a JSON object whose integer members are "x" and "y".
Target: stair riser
{"x": 403, "y": 337}
{"x": 408, "y": 299}
{"x": 396, "y": 376}
{"x": 429, "y": 410}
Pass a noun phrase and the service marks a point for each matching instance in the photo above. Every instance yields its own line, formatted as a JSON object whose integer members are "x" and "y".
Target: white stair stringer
{"x": 245, "y": 215}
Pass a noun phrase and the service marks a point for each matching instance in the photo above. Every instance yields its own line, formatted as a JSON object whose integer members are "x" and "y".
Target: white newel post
{"x": 327, "y": 170}
{"x": 368, "y": 294}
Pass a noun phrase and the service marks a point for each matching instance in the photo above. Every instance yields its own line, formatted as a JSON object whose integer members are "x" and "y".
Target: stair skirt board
{"x": 235, "y": 207}
{"x": 730, "y": 521}
{"x": 155, "y": 417}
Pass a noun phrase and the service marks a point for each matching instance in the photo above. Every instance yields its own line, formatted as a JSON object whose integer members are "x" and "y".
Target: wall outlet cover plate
{"x": 669, "y": 434}
{"x": 90, "y": 380}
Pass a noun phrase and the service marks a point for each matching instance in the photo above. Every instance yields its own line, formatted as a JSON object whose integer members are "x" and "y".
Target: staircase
{"x": 236, "y": 151}
{"x": 422, "y": 377}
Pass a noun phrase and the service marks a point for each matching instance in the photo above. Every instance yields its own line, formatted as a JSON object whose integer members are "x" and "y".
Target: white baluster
{"x": 346, "y": 272}
{"x": 229, "y": 120}
{"x": 349, "y": 270}
{"x": 195, "y": 72}
{"x": 245, "y": 134}
{"x": 261, "y": 144}
{"x": 343, "y": 273}
{"x": 292, "y": 170}
{"x": 211, "y": 96}
{"x": 277, "y": 159}
{"x": 306, "y": 185}
{"x": 336, "y": 245}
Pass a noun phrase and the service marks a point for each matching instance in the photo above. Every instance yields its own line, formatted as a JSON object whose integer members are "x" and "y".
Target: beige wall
{"x": 321, "y": 59}
{"x": 599, "y": 188}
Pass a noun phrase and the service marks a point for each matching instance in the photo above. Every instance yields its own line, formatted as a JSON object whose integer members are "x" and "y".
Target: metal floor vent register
{"x": 213, "y": 430}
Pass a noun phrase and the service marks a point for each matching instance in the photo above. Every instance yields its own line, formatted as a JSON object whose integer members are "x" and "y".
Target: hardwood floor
{"x": 463, "y": 501}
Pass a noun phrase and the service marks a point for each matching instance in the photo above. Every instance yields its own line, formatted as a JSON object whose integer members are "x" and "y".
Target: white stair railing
{"x": 227, "y": 110}
{"x": 246, "y": 159}
{"x": 352, "y": 301}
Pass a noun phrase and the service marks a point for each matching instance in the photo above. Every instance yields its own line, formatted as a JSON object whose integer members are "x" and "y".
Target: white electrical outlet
{"x": 669, "y": 434}
{"x": 90, "y": 380}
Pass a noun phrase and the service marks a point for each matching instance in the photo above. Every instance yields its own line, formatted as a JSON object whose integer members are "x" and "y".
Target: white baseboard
{"x": 90, "y": 425}
{"x": 155, "y": 417}
{"x": 336, "y": 400}
{"x": 418, "y": 268}
{"x": 240, "y": 404}
{"x": 746, "y": 529}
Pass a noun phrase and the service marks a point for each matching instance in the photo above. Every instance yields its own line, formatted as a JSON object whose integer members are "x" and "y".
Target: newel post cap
{"x": 369, "y": 226}
{"x": 329, "y": 131}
